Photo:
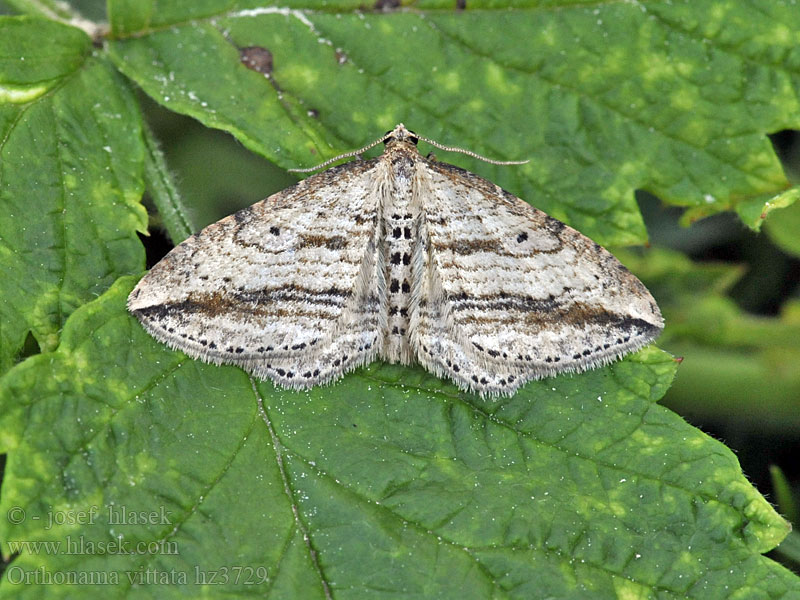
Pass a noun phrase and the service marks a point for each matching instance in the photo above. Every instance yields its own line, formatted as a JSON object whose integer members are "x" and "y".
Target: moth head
{"x": 400, "y": 134}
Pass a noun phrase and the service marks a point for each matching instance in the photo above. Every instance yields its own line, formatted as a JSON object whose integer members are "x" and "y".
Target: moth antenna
{"x": 389, "y": 134}
{"x": 380, "y": 140}
{"x": 471, "y": 153}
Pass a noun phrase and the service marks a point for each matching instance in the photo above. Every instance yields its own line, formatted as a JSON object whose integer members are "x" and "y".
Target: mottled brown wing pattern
{"x": 287, "y": 288}
{"x": 511, "y": 294}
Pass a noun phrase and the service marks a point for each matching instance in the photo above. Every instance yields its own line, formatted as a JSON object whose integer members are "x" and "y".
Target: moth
{"x": 400, "y": 258}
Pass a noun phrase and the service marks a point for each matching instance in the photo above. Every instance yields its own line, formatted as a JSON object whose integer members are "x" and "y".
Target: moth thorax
{"x": 399, "y": 219}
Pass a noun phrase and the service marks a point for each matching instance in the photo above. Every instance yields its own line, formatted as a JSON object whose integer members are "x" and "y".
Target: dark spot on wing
{"x": 334, "y": 242}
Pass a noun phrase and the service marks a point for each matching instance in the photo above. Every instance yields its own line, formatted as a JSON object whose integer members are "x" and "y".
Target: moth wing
{"x": 286, "y": 288}
{"x": 510, "y": 294}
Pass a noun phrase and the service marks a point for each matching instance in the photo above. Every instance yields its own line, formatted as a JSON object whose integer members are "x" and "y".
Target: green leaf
{"x": 386, "y": 483}
{"x": 70, "y": 179}
{"x": 736, "y": 366}
{"x": 790, "y": 548}
{"x": 392, "y": 482}
{"x": 754, "y": 212}
{"x": 785, "y": 231}
{"x": 164, "y": 192}
{"x": 29, "y": 67}
{"x": 785, "y": 497}
{"x": 51, "y": 9}
{"x": 671, "y": 97}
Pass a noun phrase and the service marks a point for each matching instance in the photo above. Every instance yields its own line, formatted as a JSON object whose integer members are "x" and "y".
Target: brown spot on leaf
{"x": 257, "y": 58}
